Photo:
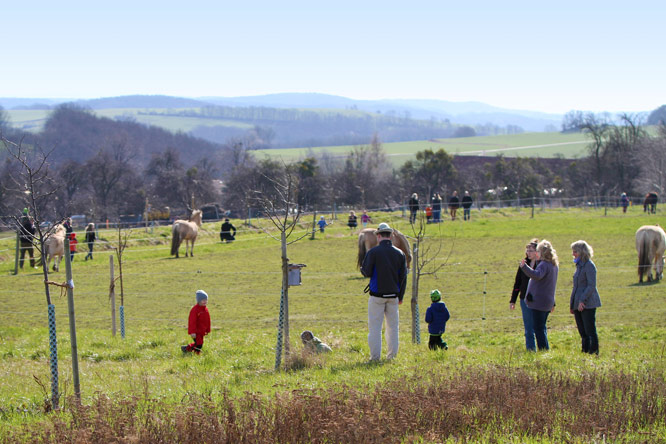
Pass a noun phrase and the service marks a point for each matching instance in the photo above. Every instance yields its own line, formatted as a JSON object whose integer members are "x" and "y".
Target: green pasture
{"x": 523, "y": 145}
{"x": 243, "y": 281}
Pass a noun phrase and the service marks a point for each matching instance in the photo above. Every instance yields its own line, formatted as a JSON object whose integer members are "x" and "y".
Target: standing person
{"x": 428, "y": 213}
{"x": 90, "y": 240}
{"x": 624, "y": 202}
{"x": 27, "y": 231}
{"x": 365, "y": 218}
{"x": 68, "y": 226}
{"x": 520, "y": 289}
{"x": 454, "y": 204}
{"x": 437, "y": 207}
{"x": 322, "y": 224}
{"x": 198, "y": 324}
{"x": 413, "y": 207}
{"x": 584, "y": 297}
{"x": 225, "y": 231}
{"x": 436, "y": 316}
{"x": 72, "y": 245}
{"x": 467, "y": 205}
{"x": 385, "y": 266}
{"x": 541, "y": 289}
{"x": 352, "y": 222}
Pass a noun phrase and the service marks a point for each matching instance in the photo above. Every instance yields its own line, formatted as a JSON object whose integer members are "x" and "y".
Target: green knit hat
{"x": 25, "y": 211}
{"x": 435, "y": 296}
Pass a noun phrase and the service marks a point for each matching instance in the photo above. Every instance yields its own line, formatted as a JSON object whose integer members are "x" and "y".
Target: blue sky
{"x": 523, "y": 55}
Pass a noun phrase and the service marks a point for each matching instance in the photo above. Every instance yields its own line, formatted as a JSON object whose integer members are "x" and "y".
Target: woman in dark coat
{"x": 520, "y": 290}
{"x": 584, "y": 296}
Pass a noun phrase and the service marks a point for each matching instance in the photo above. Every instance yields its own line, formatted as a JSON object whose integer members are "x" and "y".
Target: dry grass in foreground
{"x": 474, "y": 404}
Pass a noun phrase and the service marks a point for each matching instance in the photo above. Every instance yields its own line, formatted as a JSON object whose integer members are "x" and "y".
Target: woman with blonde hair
{"x": 585, "y": 297}
{"x": 90, "y": 239}
{"x": 540, "y": 295}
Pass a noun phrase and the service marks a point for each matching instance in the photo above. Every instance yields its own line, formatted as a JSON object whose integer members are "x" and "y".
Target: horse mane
{"x": 195, "y": 217}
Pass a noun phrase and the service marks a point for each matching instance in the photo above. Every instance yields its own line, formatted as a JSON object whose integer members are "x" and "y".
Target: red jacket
{"x": 199, "y": 321}
{"x": 72, "y": 243}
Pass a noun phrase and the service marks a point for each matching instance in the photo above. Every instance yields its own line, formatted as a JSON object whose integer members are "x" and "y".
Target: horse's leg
{"x": 187, "y": 246}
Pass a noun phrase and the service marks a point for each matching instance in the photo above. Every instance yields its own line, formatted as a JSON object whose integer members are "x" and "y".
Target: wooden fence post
{"x": 112, "y": 296}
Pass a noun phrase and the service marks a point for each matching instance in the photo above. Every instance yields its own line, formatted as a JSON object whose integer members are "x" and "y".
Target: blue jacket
{"x": 585, "y": 286}
{"x": 436, "y": 316}
{"x": 385, "y": 266}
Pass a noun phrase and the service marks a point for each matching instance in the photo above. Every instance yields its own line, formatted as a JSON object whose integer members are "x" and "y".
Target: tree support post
{"x": 416, "y": 322}
{"x": 72, "y": 322}
{"x": 112, "y": 297}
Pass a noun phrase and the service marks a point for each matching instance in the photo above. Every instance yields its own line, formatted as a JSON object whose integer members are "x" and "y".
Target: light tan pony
{"x": 367, "y": 239}
{"x": 185, "y": 230}
{"x": 650, "y": 244}
{"x": 54, "y": 246}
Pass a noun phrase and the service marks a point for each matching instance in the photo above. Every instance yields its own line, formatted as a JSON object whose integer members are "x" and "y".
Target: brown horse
{"x": 367, "y": 239}
{"x": 650, "y": 244}
{"x": 54, "y": 247}
{"x": 185, "y": 230}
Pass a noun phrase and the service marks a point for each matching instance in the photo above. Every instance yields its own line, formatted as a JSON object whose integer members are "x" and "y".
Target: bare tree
{"x": 281, "y": 207}
{"x": 423, "y": 257}
{"x": 31, "y": 179}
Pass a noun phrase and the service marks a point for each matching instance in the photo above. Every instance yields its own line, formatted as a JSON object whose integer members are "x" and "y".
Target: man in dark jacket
{"x": 27, "y": 231}
{"x": 385, "y": 266}
{"x": 225, "y": 231}
{"x": 413, "y": 207}
{"x": 467, "y": 204}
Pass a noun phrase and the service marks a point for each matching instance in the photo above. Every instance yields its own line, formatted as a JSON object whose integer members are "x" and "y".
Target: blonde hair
{"x": 547, "y": 252}
{"x": 583, "y": 249}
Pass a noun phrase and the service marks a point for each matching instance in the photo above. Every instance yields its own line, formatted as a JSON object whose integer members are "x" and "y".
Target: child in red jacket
{"x": 198, "y": 324}
{"x": 72, "y": 245}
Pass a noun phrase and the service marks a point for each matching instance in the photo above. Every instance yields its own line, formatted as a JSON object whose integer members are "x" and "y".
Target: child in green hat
{"x": 436, "y": 316}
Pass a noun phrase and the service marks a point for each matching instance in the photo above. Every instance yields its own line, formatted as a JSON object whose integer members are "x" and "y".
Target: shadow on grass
{"x": 644, "y": 284}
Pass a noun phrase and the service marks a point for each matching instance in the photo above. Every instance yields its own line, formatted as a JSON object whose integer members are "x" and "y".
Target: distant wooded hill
{"x": 298, "y": 120}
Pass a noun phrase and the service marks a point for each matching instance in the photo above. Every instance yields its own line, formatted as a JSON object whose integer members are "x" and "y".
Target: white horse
{"x": 54, "y": 246}
{"x": 185, "y": 230}
{"x": 650, "y": 244}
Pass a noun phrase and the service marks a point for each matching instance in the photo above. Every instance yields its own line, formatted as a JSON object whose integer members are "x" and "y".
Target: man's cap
{"x": 383, "y": 228}
{"x": 435, "y": 295}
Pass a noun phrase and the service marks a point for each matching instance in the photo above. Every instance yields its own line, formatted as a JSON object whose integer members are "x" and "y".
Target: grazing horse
{"x": 185, "y": 230}
{"x": 650, "y": 203}
{"x": 54, "y": 246}
{"x": 650, "y": 244}
{"x": 367, "y": 239}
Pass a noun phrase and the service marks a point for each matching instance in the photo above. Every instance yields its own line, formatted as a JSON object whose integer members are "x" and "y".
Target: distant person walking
{"x": 198, "y": 323}
{"x": 540, "y": 295}
{"x": 584, "y": 296}
{"x": 322, "y": 224}
{"x": 624, "y": 202}
{"x": 467, "y": 205}
{"x": 365, "y": 219}
{"x": 454, "y": 204}
{"x": 520, "y": 290}
{"x": 90, "y": 240}
{"x": 27, "y": 231}
{"x": 413, "y": 207}
{"x": 352, "y": 221}
{"x": 386, "y": 267}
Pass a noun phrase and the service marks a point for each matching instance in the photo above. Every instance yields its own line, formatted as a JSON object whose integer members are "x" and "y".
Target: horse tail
{"x": 643, "y": 256}
{"x": 175, "y": 239}
{"x": 361, "y": 250}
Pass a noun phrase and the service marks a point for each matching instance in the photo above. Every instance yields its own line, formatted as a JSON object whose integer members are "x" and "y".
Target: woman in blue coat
{"x": 584, "y": 297}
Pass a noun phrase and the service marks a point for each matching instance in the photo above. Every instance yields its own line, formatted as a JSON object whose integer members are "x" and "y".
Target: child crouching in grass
{"x": 436, "y": 316}
{"x": 198, "y": 324}
{"x": 313, "y": 344}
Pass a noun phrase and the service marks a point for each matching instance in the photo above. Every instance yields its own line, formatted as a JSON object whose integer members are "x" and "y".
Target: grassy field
{"x": 243, "y": 281}
{"x": 524, "y": 145}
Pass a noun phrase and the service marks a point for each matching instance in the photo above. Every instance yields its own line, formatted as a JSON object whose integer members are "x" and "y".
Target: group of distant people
{"x": 649, "y": 202}
{"x": 433, "y": 210}
{"x": 27, "y": 237}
